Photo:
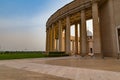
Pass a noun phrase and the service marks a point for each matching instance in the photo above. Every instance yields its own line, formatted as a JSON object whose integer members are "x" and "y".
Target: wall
{"x": 108, "y": 28}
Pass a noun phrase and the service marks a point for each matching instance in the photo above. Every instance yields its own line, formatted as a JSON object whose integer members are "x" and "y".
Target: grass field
{"x": 30, "y": 54}
{"x": 20, "y": 55}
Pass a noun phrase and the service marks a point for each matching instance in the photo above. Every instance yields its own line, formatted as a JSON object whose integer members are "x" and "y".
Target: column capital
{"x": 83, "y": 11}
{"x": 67, "y": 17}
{"x": 95, "y": 1}
{"x": 59, "y": 20}
{"x": 59, "y": 23}
{"x": 52, "y": 25}
{"x": 47, "y": 30}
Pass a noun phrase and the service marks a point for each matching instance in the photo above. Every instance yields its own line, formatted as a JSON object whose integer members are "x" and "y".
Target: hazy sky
{"x": 22, "y": 23}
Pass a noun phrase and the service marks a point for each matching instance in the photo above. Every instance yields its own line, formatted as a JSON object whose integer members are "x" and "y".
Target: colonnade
{"x": 51, "y": 32}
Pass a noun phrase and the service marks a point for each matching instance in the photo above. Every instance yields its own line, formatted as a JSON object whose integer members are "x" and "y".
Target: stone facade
{"x": 106, "y": 24}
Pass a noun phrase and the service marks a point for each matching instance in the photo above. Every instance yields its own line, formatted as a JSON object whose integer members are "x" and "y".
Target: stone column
{"x": 49, "y": 33}
{"x": 76, "y": 38}
{"x": 63, "y": 41}
{"x": 79, "y": 46}
{"x": 67, "y": 35}
{"x": 47, "y": 40}
{"x": 73, "y": 47}
{"x": 83, "y": 35}
{"x": 56, "y": 44}
{"x": 96, "y": 28}
{"x": 53, "y": 38}
{"x": 60, "y": 36}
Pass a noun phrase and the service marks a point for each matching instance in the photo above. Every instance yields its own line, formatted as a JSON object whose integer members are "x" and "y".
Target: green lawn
{"x": 20, "y": 55}
{"x": 30, "y": 54}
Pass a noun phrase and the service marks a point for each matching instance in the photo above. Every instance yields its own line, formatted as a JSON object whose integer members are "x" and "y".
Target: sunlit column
{"x": 50, "y": 38}
{"x": 53, "y": 38}
{"x": 76, "y": 38}
{"x": 73, "y": 47}
{"x": 83, "y": 34}
{"x": 67, "y": 42}
{"x": 60, "y": 36}
{"x": 49, "y": 33}
{"x": 79, "y": 46}
{"x": 63, "y": 41}
{"x": 96, "y": 28}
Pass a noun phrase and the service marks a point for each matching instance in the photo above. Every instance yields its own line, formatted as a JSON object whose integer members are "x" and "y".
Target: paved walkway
{"x": 8, "y": 73}
{"x": 60, "y": 68}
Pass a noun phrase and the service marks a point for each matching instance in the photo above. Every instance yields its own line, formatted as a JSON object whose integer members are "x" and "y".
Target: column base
{"x": 83, "y": 54}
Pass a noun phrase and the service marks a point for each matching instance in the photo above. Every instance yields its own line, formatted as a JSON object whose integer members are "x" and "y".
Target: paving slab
{"x": 70, "y": 68}
{"x": 7, "y": 73}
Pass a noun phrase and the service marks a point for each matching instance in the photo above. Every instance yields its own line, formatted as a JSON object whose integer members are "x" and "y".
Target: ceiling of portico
{"x": 75, "y": 18}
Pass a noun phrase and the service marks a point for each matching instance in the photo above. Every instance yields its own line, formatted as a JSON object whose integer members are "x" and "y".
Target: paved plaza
{"x": 65, "y": 68}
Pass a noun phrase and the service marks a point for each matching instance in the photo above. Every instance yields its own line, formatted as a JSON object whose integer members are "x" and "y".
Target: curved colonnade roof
{"x": 71, "y": 8}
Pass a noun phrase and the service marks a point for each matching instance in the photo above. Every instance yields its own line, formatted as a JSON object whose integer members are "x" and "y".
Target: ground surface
{"x": 64, "y": 68}
{"x": 108, "y": 64}
{"x": 7, "y": 73}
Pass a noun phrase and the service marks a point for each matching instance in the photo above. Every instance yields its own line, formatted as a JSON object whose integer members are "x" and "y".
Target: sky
{"x": 22, "y": 23}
